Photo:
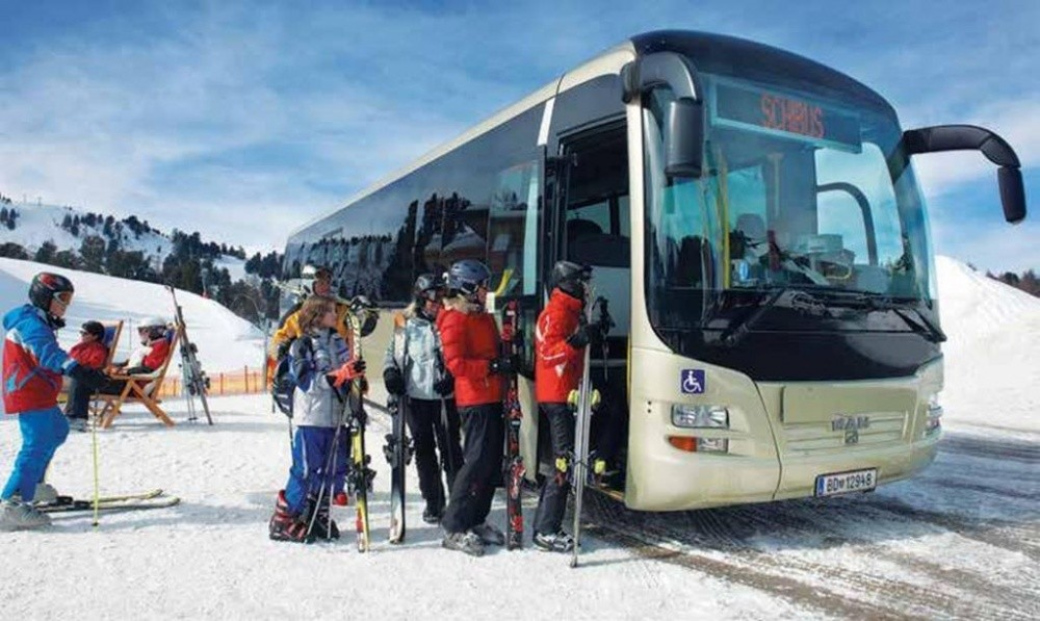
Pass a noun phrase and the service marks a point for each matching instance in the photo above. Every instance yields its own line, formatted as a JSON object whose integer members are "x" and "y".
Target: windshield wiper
{"x": 797, "y": 299}
{"x": 920, "y": 322}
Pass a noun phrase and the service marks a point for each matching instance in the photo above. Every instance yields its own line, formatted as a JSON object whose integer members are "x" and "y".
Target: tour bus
{"x": 754, "y": 222}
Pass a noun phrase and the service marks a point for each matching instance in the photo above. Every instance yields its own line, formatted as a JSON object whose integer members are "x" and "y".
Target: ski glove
{"x": 581, "y": 338}
{"x": 503, "y": 365}
{"x": 446, "y": 385}
{"x": 90, "y": 378}
{"x": 394, "y": 381}
{"x": 350, "y": 370}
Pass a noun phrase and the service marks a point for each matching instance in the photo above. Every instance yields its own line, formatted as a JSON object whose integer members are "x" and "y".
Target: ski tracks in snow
{"x": 962, "y": 540}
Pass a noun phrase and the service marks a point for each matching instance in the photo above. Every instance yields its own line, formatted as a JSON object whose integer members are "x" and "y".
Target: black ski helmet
{"x": 570, "y": 278}
{"x": 427, "y": 286}
{"x": 468, "y": 275}
{"x": 45, "y": 286}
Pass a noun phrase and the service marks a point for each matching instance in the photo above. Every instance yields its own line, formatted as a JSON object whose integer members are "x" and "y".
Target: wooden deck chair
{"x": 141, "y": 388}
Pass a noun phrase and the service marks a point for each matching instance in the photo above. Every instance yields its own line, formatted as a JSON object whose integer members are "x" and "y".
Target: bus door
{"x": 591, "y": 213}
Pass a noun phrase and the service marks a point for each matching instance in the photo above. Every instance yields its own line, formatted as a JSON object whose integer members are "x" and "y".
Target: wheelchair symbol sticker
{"x": 692, "y": 382}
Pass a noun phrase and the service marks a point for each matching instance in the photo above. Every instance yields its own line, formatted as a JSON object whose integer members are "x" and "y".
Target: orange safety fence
{"x": 243, "y": 382}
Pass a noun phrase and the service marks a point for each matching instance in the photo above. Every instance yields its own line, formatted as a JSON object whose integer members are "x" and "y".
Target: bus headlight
{"x": 700, "y": 416}
{"x": 933, "y": 419}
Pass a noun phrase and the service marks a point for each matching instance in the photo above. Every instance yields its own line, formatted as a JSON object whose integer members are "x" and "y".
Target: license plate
{"x": 846, "y": 482}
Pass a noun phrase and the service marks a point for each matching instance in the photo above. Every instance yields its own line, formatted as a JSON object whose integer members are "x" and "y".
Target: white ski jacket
{"x": 315, "y": 401}
{"x": 415, "y": 349}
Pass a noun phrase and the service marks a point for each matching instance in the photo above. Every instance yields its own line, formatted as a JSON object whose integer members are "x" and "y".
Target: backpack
{"x": 284, "y": 383}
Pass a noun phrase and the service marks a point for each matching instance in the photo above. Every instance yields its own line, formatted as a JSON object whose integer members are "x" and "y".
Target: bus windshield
{"x": 796, "y": 193}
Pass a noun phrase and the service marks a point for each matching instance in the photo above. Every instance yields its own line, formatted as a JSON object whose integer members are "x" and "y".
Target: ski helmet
{"x": 45, "y": 286}
{"x": 468, "y": 275}
{"x": 155, "y": 327}
{"x": 427, "y": 287}
{"x": 571, "y": 278}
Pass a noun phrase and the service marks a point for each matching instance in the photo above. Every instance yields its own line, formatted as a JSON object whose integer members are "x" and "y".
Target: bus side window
{"x": 512, "y": 230}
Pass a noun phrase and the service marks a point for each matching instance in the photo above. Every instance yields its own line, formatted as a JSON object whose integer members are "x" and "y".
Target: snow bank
{"x": 225, "y": 341}
{"x": 993, "y": 353}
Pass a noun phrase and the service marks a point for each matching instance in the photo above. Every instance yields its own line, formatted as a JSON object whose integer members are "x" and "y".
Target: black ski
{"x": 582, "y": 403}
{"x": 398, "y": 453}
{"x": 195, "y": 380}
{"x": 513, "y": 467}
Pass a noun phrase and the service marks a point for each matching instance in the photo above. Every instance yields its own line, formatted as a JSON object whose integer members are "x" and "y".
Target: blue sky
{"x": 245, "y": 119}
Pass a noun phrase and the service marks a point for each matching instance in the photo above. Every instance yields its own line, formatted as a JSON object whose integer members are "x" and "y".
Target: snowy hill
{"x": 40, "y": 223}
{"x": 993, "y": 352}
{"x": 225, "y": 341}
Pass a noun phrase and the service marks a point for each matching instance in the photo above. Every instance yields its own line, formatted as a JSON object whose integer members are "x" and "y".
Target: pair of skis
{"x": 398, "y": 453}
{"x": 513, "y": 463}
{"x": 195, "y": 380}
{"x": 360, "y": 474}
{"x": 151, "y": 499}
{"x": 398, "y": 449}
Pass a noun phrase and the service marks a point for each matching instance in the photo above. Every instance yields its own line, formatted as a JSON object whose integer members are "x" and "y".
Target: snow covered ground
{"x": 961, "y": 540}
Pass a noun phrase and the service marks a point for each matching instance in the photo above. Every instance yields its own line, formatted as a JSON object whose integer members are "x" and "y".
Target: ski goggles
{"x": 433, "y": 295}
{"x": 63, "y": 297}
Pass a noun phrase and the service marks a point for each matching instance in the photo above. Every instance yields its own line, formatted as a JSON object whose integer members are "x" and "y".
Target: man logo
{"x": 851, "y": 426}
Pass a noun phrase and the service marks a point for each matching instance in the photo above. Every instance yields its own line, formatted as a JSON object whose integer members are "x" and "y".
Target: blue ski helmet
{"x": 468, "y": 275}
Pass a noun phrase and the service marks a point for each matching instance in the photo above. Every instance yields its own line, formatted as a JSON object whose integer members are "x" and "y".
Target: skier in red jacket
{"x": 470, "y": 339}
{"x": 92, "y": 353}
{"x": 560, "y": 341}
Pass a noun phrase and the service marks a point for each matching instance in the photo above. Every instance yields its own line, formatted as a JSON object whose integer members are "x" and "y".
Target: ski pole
{"x": 97, "y": 486}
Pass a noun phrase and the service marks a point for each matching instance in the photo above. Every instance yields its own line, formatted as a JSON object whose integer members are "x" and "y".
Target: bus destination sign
{"x": 786, "y": 115}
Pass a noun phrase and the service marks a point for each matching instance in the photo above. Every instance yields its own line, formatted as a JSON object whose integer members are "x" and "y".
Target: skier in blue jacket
{"x": 32, "y": 369}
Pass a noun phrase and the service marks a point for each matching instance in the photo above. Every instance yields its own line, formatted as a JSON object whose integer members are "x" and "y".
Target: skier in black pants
{"x": 413, "y": 367}
{"x": 560, "y": 341}
{"x": 471, "y": 353}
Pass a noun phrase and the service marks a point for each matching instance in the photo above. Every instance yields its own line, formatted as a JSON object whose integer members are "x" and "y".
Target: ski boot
{"x": 45, "y": 494}
{"x": 468, "y": 542}
{"x": 557, "y": 542}
{"x": 284, "y": 526}
{"x": 324, "y": 527}
{"x": 490, "y": 535}
{"x": 433, "y": 513}
{"x": 16, "y": 515}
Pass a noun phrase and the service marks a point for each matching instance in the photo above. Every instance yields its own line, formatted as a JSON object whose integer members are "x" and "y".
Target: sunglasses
{"x": 63, "y": 297}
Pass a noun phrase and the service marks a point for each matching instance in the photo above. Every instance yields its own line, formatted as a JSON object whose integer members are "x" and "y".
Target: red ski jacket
{"x": 92, "y": 355}
{"x": 558, "y": 366}
{"x": 33, "y": 363}
{"x": 471, "y": 341}
{"x": 157, "y": 355}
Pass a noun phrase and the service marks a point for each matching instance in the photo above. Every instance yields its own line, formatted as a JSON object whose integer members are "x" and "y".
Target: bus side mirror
{"x": 684, "y": 138}
{"x": 972, "y": 138}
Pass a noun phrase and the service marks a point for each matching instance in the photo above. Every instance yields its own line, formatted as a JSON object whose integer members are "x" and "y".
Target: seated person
{"x": 146, "y": 358}
{"x": 90, "y": 352}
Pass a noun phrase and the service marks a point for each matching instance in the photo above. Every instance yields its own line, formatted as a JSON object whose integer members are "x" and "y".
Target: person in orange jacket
{"x": 560, "y": 341}
{"x": 470, "y": 339}
{"x": 91, "y": 352}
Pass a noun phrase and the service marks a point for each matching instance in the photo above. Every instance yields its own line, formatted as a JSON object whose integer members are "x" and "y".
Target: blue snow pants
{"x": 43, "y": 431}
{"x": 310, "y": 452}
